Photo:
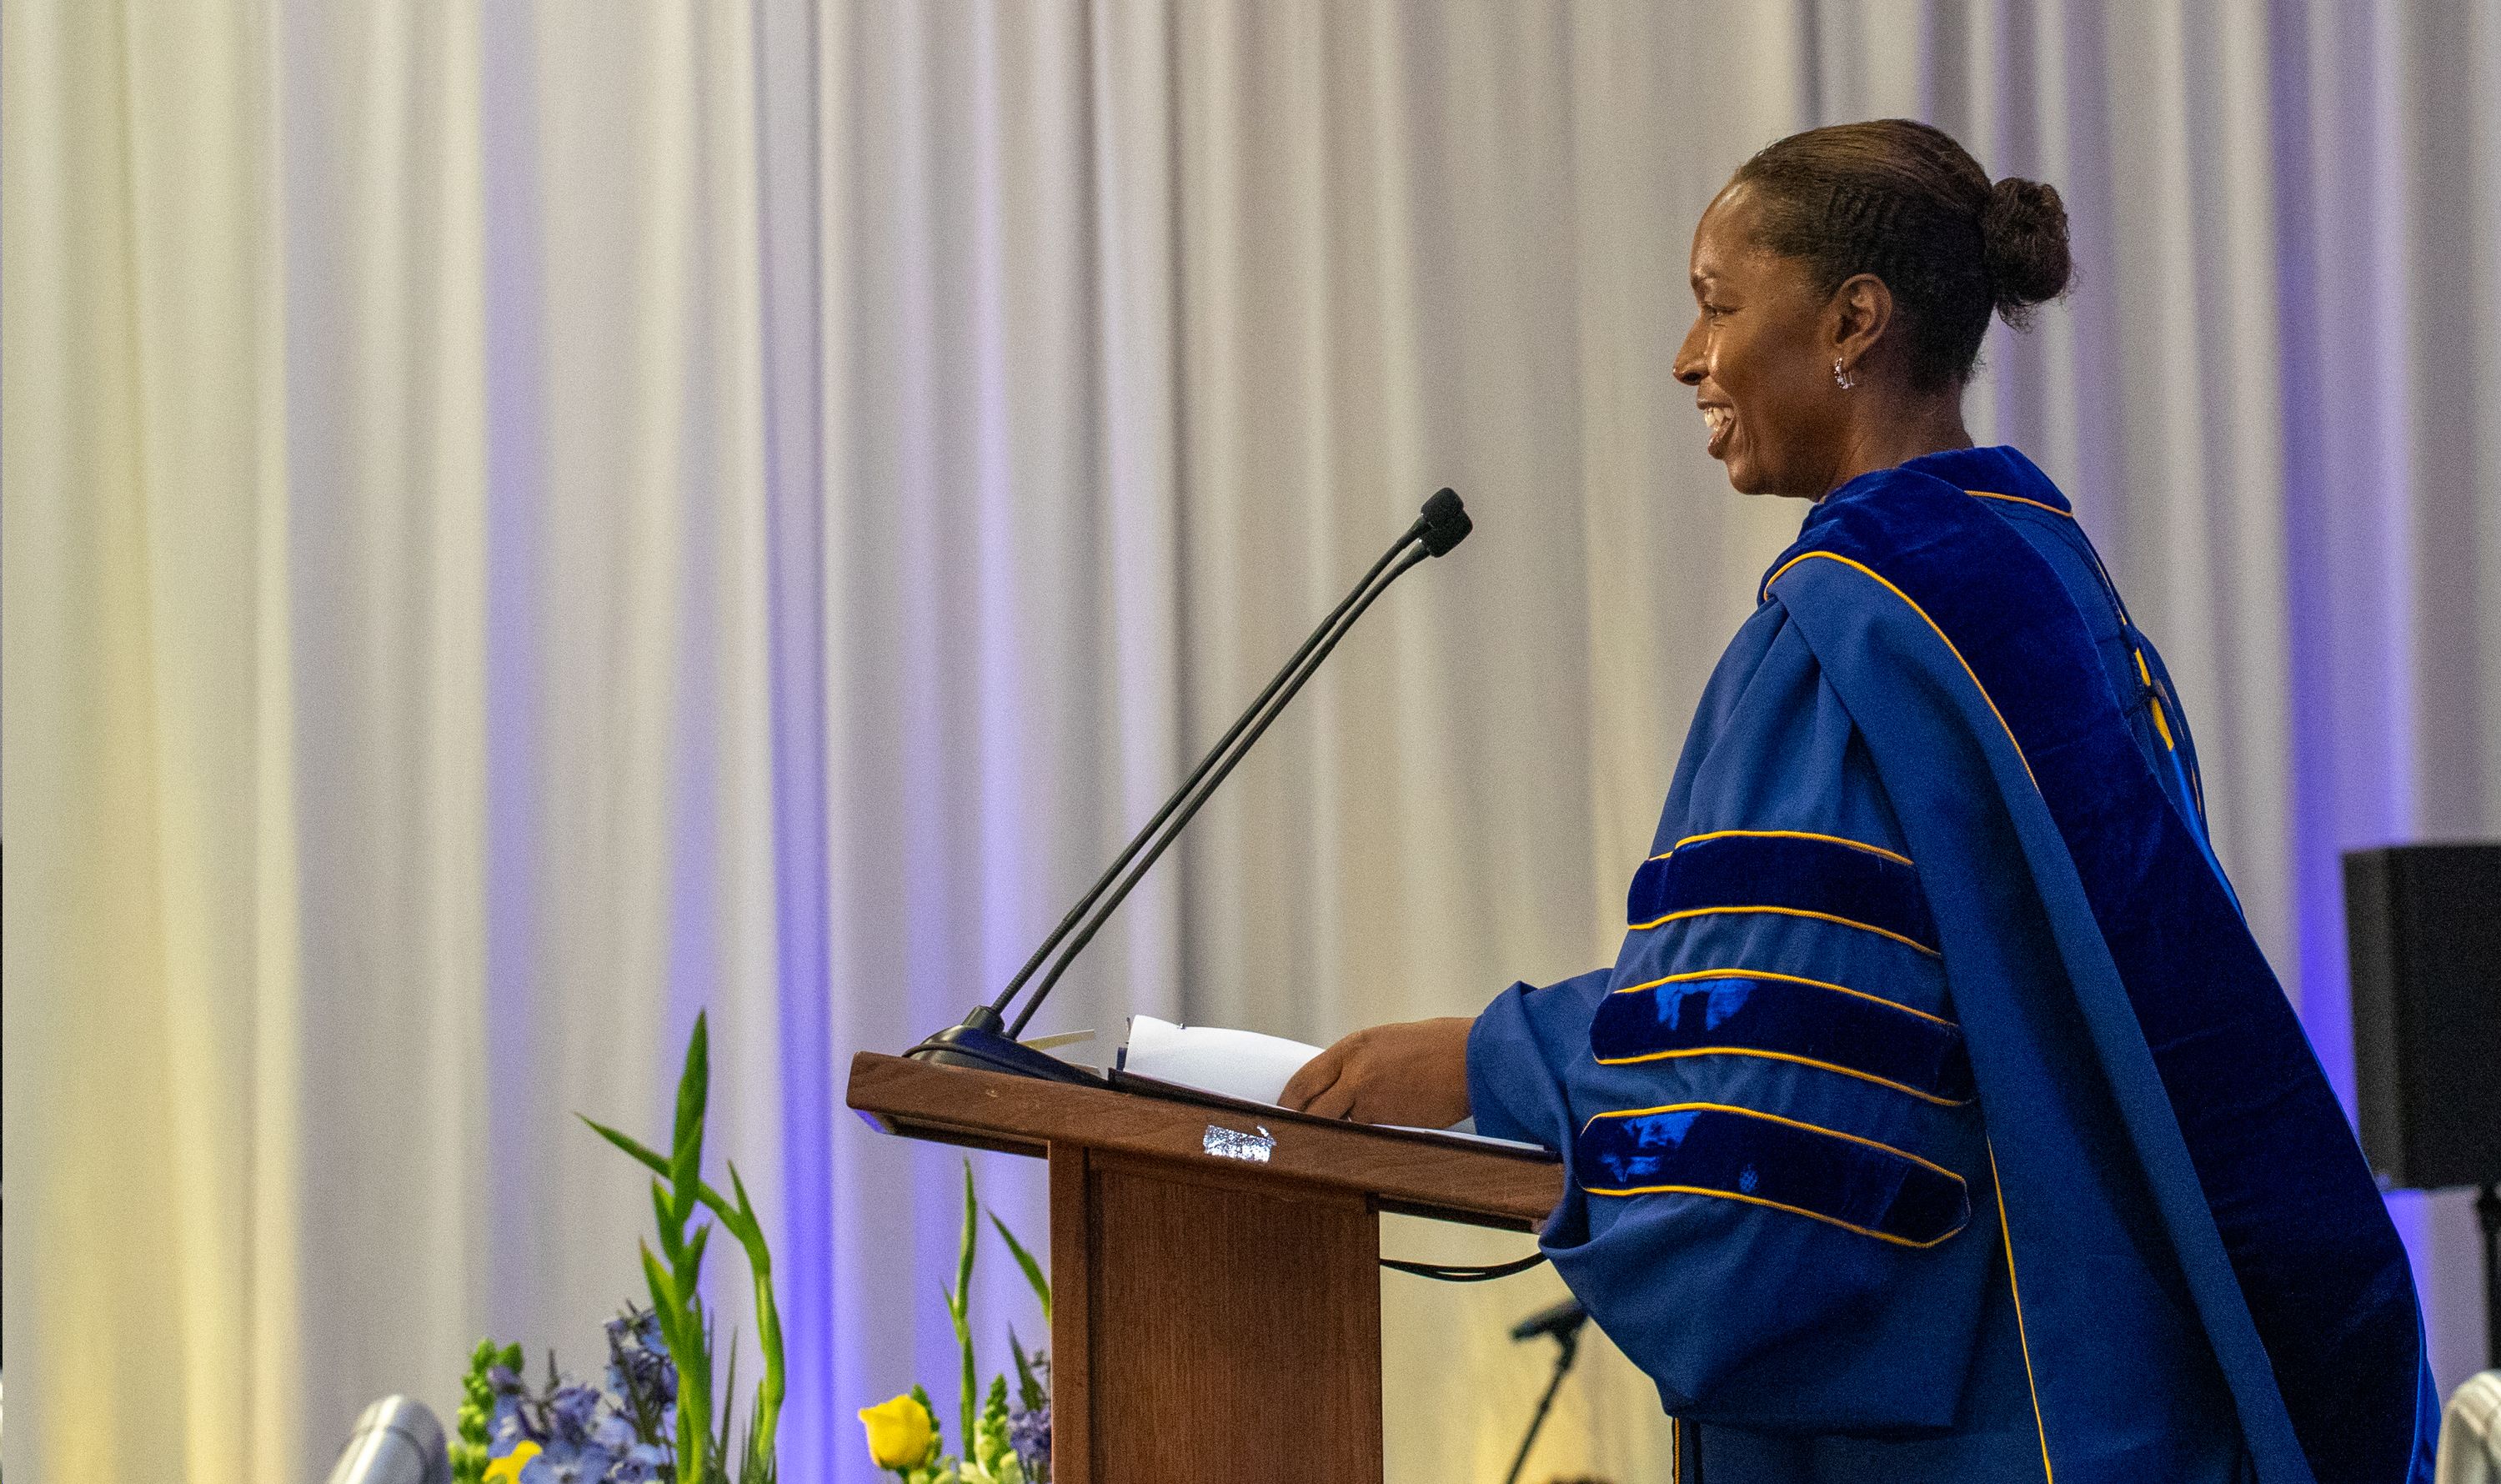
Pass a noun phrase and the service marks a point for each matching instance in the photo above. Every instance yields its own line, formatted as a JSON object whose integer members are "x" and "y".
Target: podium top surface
{"x": 1402, "y": 1173}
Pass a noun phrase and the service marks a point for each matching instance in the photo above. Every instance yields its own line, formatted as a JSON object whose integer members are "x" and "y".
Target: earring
{"x": 1840, "y": 376}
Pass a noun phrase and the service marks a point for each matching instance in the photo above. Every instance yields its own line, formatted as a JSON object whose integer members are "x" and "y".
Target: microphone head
{"x": 397, "y": 1441}
{"x": 1561, "y": 1321}
{"x": 1446, "y": 523}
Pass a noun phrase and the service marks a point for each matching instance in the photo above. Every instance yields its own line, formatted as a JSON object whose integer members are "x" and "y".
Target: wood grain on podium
{"x": 1212, "y": 1318}
{"x": 1221, "y": 1329}
{"x": 1438, "y": 1178}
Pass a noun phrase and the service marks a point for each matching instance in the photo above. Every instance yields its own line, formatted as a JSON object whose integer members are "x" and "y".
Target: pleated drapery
{"x": 524, "y": 522}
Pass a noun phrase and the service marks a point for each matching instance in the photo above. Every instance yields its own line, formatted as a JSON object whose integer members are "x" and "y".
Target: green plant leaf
{"x": 695, "y": 1392}
{"x": 694, "y": 1081}
{"x": 965, "y": 1244}
{"x": 632, "y": 1146}
{"x": 651, "y": 1160}
{"x": 937, "y": 1444}
{"x": 960, "y": 1307}
{"x": 692, "y": 1268}
{"x": 756, "y": 1464}
{"x": 1033, "y": 1273}
{"x": 764, "y": 1428}
{"x": 728, "y": 1388}
{"x": 741, "y": 1222}
{"x": 686, "y": 1143}
{"x": 664, "y": 1298}
{"x": 1030, "y": 1393}
{"x": 669, "y": 1231}
{"x": 686, "y": 1172}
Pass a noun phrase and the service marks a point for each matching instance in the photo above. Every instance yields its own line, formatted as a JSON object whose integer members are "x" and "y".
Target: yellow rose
{"x": 508, "y": 1469}
{"x": 901, "y": 1433}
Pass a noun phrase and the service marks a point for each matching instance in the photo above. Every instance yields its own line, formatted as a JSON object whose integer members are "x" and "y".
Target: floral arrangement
{"x": 654, "y": 1417}
{"x": 570, "y": 1432}
{"x": 651, "y": 1420}
{"x": 1004, "y": 1441}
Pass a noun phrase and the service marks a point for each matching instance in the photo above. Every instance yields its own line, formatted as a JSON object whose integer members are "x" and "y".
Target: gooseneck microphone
{"x": 984, "y": 1039}
{"x": 396, "y": 1442}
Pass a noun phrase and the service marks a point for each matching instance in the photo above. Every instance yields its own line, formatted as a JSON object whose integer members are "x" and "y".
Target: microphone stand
{"x": 1567, "y": 1342}
{"x": 983, "y": 1039}
{"x": 1562, "y": 1323}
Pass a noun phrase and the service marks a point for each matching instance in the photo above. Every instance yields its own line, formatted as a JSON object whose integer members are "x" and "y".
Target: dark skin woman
{"x": 1940, "y": 1118}
{"x": 1801, "y": 392}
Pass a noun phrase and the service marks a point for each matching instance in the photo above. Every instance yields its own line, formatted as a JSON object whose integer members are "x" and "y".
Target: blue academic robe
{"x": 1940, "y": 1119}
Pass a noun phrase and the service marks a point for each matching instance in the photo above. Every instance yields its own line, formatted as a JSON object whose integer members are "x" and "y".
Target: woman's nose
{"x": 1689, "y": 359}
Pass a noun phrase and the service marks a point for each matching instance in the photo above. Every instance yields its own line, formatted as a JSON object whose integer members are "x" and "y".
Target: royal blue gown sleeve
{"x": 1779, "y": 1201}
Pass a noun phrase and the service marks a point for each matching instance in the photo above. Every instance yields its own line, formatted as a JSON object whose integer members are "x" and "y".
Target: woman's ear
{"x": 1857, "y": 315}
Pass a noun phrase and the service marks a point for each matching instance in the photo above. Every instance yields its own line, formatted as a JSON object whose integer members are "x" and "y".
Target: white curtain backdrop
{"x": 522, "y": 522}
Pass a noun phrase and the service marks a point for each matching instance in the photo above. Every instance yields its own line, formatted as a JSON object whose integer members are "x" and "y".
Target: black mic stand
{"x": 1563, "y": 1323}
{"x": 984, "y": 1039}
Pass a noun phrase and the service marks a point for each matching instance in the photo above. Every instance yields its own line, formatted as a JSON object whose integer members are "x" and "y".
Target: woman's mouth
{"x": 1717, "y": 421}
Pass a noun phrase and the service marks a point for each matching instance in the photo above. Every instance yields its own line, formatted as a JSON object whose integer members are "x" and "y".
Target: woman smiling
{"x": 1939, "y": 1117}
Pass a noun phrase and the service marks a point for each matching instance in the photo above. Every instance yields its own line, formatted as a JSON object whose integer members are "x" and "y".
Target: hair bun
{"x": 2023, "y": 241}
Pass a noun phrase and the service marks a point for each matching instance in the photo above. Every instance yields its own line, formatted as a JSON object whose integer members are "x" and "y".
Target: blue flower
{"x": 578, "y": 1433}
{"x": 514, "y": 1418}
{"x": 572, "y": 1411}
{"x": 613, "y": 1431}
{"x": 1029, "y": 1435}
{"x": 639, "y": 1367}
{"x": 563, "y": 1465}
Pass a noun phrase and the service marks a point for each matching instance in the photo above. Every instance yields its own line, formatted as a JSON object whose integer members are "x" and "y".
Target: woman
{"x": 1940, "y": 1119}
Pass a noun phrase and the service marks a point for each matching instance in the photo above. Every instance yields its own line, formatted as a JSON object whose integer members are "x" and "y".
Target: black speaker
{"x": 2423, "y": 925}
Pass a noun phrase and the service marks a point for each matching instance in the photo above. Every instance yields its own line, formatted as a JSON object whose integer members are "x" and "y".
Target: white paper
{"x": 1237, "y": 1064}
{"x": 1466, "y": 1129}
{"x": 1243, "y": 1064}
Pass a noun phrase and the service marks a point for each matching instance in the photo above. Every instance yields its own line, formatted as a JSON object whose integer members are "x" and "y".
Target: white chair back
{"x": 2470, "y": 1433}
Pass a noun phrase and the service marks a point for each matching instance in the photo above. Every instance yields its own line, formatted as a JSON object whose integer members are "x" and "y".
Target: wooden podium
{"x": 1215, "y": 1288}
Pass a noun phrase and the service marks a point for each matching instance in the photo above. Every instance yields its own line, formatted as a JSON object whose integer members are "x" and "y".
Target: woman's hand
{"x": 1414, "y": 1072}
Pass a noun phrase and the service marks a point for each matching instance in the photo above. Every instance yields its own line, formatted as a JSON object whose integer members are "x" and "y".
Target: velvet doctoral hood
{"x": 1941, "y": 1118}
